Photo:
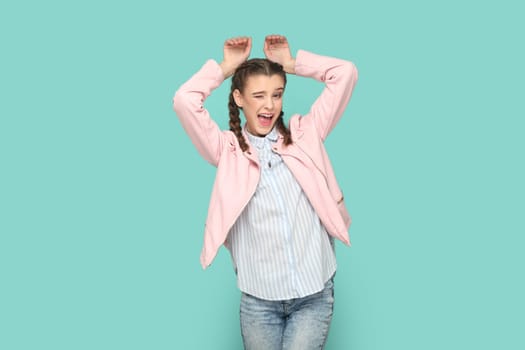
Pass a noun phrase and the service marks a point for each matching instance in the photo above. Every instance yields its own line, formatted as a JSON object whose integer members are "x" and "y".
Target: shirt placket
{"x": 276, "y": 185}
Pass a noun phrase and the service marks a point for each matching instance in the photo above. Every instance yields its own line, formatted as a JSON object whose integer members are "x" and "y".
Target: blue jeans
{"x": 295, "y": 324}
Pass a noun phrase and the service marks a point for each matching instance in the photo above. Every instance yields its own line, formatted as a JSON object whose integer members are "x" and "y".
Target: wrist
{"x": 227, "y": 69}
{"x": 289, "y": 67}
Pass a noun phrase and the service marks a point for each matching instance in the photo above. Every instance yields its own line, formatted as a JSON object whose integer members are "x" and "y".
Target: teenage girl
{"x": 275, "y": 204}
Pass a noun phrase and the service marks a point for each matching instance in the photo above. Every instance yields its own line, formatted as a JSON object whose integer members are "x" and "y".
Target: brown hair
{"x": 251, "y": 67}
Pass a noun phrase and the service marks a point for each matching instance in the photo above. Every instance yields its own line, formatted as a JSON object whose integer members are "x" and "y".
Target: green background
{"x": 103, "y": 197}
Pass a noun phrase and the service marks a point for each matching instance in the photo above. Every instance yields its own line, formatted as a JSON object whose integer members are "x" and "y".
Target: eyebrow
{"x": 262, "y": 92}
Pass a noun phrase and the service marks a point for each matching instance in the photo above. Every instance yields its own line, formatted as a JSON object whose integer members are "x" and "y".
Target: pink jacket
{"x": 238, "y": 172}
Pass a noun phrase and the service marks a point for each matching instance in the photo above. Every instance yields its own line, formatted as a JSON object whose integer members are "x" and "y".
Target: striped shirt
{"x": 279, "y": 247}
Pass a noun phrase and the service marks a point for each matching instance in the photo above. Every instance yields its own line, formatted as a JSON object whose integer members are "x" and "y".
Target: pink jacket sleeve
{"x": 188, "y": 103}
{"x": 339, "y": 76}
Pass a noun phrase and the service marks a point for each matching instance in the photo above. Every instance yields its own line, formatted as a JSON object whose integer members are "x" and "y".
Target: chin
{"x": 260, "y": 130}
{"x": 263, "y": 131}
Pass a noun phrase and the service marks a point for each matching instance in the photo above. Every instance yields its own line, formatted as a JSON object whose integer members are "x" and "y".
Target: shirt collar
{"x": 260, "y": 141}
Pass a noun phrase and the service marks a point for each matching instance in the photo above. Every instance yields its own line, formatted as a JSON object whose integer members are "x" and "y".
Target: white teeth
{"x": 266, "y": 115}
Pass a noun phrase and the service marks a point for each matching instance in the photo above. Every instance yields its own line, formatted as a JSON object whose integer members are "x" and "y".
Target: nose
{"x": 269, "y": 103}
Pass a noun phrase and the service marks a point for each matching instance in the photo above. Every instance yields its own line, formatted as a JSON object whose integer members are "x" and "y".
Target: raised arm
{"x": 188, "y": 101}
{"x": 339, "y": 77}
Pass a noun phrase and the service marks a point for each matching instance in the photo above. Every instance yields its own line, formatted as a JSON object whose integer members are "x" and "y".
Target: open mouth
{"x": 265, "y": 119}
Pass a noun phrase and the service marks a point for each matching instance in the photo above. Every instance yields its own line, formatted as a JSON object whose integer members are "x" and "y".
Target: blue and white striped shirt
{"x": 279, "y": 247}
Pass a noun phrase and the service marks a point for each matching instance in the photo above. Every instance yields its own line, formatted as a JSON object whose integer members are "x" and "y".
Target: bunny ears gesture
{"x": 237, "y": 50}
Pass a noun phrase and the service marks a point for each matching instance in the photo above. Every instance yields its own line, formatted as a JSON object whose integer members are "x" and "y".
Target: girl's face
{"x": 261, "y": 102}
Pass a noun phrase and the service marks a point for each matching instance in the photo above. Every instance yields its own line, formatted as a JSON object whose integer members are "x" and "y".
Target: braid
{"x": 284, "y": 130}
{"x": 235, "y": 123}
